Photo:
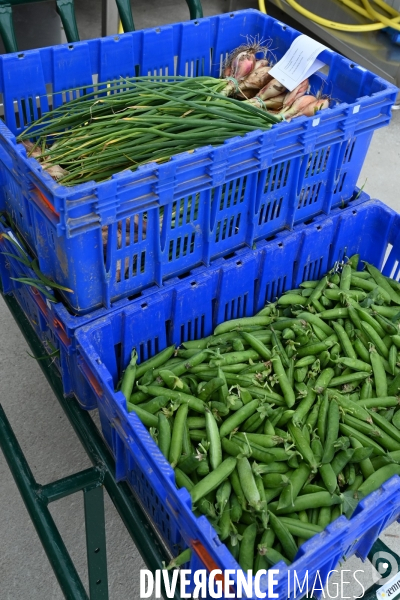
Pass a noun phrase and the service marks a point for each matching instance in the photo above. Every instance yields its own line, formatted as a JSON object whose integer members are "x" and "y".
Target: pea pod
{"x": 331, "y": 432}
{"x": 302, "y": 446}
{"x": 155, "y": 362}
{"x": 213, "y": 479}
{"x": 248, "y": 483}
{"x": 257, "y": 345}
{"x": 284, "y": 536}
{"x": 147, "y": 418}
{"x": 328, "y": 476}
{"x": 286, "y": 388}
{"x": 233, "y": 421}
{"x": 228, "y": 326}
{"x": 316, "y": 500}
{"x": 363, "y": 439}
{"x": 379, "y": 373}
{"x": 193, "y": 402}
{"x": 164, "y": 434}
{"x": 374, "y": 481}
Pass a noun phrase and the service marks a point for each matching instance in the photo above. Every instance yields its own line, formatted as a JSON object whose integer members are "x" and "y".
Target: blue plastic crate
{"x": 200, "y": 205}
{"x": 235, "y": 287}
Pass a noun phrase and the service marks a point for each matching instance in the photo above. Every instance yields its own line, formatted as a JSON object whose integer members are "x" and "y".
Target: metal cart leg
{"x": 37, "y": 497}
{"x": 96, "y": 543}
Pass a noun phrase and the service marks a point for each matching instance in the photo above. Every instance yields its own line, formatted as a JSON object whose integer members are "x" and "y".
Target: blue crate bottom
{"x": 190, "y": 309}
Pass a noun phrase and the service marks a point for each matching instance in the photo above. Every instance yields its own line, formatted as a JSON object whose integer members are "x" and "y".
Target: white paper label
{"x": 391, "y": 589}
{"x": 299, "y": 62}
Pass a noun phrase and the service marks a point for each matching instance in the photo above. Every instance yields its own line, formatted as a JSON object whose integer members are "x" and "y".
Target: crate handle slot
{"x": 88, "y": 373}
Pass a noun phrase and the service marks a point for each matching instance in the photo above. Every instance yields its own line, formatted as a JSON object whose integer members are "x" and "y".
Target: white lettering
{"x": 296, "y": 583}
{"x": 229, "y": 583}
{"x": 343, "y": 582}
{"x": 215, "y": 587}
{"x": 185, "y": 580}
{"x": 334, "y": 584}
{"x": 272, "y": 583}
{"x": 146, "y": 578}
{"x": 257, "y": 591}
{"x": 200, "y": 581}
{"x": 321, "y": 589}
{"x": 170, "y": 587}
{"x": 244, "y": 584}
{"x": 359, "y": 583}
{"x": 157, "y": 587}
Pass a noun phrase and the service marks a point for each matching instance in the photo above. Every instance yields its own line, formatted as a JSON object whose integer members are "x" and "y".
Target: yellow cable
{"x": 261, "y": 6}
{"x": 383, "y": 21}
{"x": 120, "y": 28}
{"x": 394, "y": 23}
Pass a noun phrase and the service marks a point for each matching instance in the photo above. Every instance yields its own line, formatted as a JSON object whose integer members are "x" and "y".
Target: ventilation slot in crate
{"x": 317, "y": 162}
{"x": 309, "y": 195}
{"x": 349, "y": 150}
{"x": 274, "y": 289}
{"x": 276, "y": 177}
{"x": 148, "y": 349}
{"x": 236, "y": 308}
{"x": 227, "y": 228}
{"x": 193, "y": 330}
{"x": 270, "y": 211}
{"x": 312, "y": 270}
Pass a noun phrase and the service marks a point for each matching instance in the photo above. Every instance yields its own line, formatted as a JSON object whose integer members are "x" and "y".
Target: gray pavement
{"x": 44, "y": 432}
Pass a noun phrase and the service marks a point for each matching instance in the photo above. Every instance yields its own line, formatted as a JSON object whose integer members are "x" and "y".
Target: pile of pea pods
{"x": 279, "y": 423}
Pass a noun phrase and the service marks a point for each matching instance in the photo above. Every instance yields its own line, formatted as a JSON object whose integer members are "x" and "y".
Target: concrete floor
{"x": 45, "y": 434}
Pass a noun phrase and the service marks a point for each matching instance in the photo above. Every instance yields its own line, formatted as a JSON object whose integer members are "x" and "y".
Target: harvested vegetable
{"x": 266, "y": 448}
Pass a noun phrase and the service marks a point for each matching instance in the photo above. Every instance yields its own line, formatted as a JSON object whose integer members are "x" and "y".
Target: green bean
{"x": 213, "y": 479}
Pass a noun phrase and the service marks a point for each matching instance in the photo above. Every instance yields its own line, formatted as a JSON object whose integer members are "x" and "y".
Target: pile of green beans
{"x": 279, "y": 423}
